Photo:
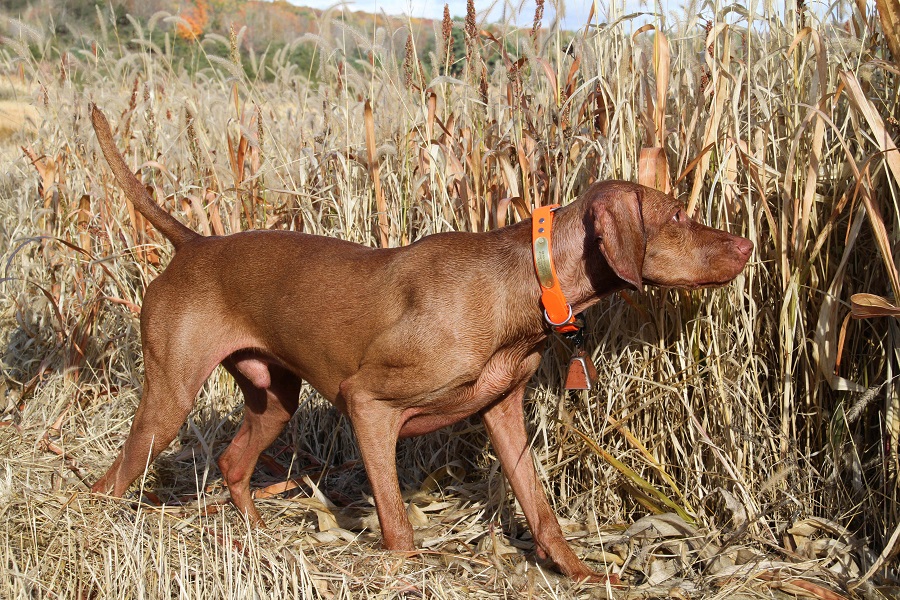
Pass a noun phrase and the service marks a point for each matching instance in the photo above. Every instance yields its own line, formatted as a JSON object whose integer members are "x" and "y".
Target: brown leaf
{"x": 653, "y": 169}
{"x": 889, "y": 13}
{"x": 374, "y": 172}
{"x": 711, "y": 135}
{"x": 84, "y": 219}
{"x": 867, "y": 306}
{"x": 864, "y": 106}
{"x": 661, "y": 64}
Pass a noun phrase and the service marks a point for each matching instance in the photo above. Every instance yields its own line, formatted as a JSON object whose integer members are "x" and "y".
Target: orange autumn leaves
{"x": 193, "y": 19}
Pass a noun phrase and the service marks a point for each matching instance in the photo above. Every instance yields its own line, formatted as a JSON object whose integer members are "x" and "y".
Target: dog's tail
{"x": 170, "y": 227}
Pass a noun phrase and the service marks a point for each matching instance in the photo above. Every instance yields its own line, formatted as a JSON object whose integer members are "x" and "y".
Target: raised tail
{"x": 165, "y": 223}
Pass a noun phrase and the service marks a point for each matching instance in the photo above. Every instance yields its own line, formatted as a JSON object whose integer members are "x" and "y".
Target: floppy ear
{"x": 619, "y": 229}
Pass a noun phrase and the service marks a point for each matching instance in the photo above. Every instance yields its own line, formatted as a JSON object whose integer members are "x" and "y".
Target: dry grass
{"x": 743, "y": 442}
{"x": 17, "y": 118}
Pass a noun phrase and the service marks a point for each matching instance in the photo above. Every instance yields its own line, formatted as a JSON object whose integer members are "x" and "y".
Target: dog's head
{"x": 647, "y": 238}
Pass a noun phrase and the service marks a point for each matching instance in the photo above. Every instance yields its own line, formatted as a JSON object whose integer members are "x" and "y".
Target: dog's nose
{"x": 744, "y": 246}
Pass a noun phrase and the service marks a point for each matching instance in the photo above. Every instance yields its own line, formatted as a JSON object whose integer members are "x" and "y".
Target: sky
{"x": 574, "y": 12}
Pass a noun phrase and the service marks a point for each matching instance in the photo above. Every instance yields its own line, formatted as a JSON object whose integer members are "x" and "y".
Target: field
{"x": 743, "y": 441}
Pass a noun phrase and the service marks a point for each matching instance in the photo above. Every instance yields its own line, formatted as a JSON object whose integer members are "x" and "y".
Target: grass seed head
{"x": 447, "y": 37}
{"x": 538, "y": 19}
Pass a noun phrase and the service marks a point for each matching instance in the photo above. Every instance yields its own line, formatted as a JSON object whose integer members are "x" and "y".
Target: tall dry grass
{"x": 759, "y": 415}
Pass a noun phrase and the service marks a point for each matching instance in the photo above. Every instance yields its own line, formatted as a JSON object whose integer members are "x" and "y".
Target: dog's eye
{"x": 677, "y": 216}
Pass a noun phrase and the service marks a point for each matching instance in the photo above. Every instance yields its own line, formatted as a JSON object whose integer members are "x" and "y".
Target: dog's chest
{"x": 505, "y": 371}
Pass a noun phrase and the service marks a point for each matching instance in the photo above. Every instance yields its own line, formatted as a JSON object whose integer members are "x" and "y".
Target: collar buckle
{"x": 569, "y": 318}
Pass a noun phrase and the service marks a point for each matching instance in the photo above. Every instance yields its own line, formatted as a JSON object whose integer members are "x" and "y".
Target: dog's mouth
{"x": 725, "y": 272}
{"x": 712, "y": 284}
{"x": 691, "y": 285}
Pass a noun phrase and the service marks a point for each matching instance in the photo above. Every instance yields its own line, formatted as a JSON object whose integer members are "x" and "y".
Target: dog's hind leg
{"x": 170, "y": 387}
{"x": 271, "y": 394}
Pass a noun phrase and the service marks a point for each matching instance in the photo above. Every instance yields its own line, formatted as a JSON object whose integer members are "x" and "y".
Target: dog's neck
{"x": 580, "y": 265}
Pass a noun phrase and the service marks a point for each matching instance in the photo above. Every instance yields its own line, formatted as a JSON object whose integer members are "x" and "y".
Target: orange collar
{"x": 557, "y": 312}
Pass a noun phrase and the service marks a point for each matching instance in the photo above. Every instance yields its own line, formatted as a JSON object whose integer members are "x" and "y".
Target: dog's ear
{"x": 619, "y": 231}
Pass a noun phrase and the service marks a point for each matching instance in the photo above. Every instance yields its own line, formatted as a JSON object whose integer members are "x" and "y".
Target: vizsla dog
{"x": 403, "y": 341}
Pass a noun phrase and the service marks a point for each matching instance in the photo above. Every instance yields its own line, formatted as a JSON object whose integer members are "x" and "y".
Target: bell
{"x": 582, "y": 372}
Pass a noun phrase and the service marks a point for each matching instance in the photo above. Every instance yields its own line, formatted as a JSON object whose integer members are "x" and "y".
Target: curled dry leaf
{"x": 495, "y": 544}
{"x": 665, "y": 525}
{"x": 605, "y": 558}
{"x": 653, "y": 169}
{"x": 736, "y": 509}
{"x": 867, "y": 306}
{"x": 417, "y": 518}
{"x": 661, "y": 570}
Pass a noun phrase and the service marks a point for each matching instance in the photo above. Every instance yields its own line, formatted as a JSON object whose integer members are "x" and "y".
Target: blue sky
{"x": 575, "y": 12}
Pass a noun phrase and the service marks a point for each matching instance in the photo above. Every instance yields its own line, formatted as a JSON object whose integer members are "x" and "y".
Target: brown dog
{"x": 403, "y": 341}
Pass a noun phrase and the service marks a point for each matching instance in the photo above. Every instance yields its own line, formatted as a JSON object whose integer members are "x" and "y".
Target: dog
{"x": 403, "y": 341}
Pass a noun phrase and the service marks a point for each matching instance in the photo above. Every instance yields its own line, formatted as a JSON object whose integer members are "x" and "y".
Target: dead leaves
{"x": 868, "y": 306}
{"x": 653, "y": 165}
{"x": 671, "y": 556}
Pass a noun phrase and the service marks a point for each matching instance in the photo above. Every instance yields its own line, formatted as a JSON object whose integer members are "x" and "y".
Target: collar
{"x": 557, "y": 312}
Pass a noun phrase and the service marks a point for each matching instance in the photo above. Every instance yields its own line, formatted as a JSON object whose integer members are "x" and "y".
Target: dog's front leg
{"x": 377, "y": 428}
{"x": 505, "y": 422}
